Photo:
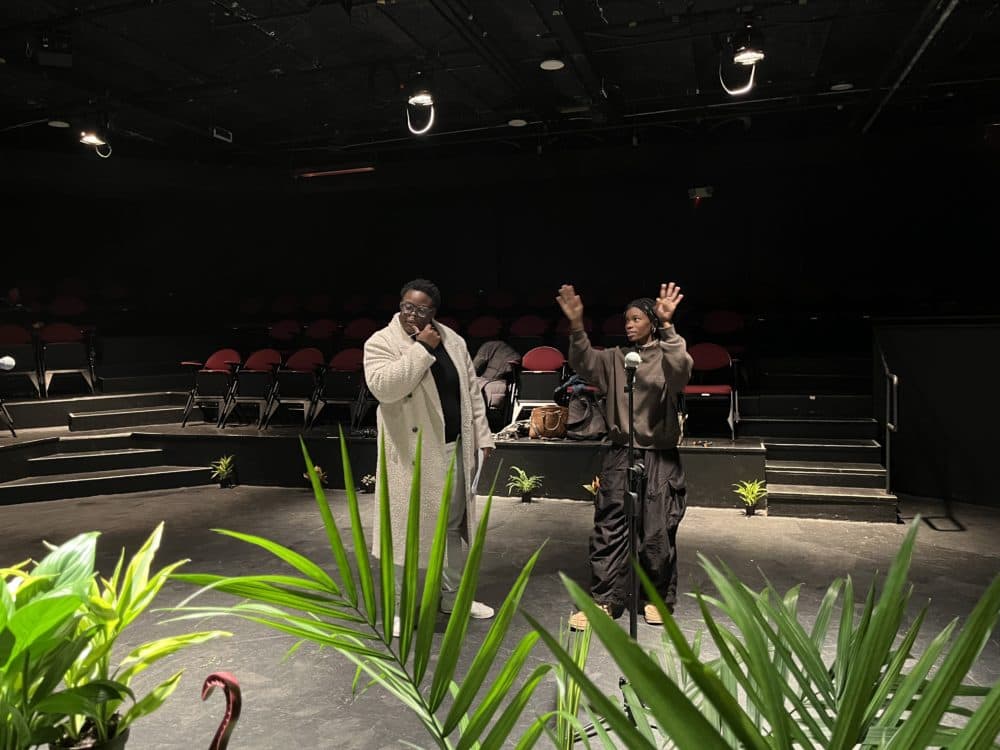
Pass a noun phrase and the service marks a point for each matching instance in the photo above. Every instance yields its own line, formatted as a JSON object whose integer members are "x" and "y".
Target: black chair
{"x": 16, "y": 342}
{"x": 253, "y": 384}
{"x": 713, "y": 380}
{"x": 213, "y": 382}
{"x": 343, "y": 385}
{"x": 66, "y": 349}
{"x": 297, "y": 384}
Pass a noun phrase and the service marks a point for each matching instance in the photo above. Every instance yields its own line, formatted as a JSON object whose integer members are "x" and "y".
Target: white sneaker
{"x": 478, "y": 610}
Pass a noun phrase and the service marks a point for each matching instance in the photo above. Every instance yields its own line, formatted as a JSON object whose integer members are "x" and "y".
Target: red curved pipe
{"x": 234, "y": 701}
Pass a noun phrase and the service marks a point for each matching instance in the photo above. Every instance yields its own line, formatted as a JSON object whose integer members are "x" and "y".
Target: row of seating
{"x": 267, "y": 380}
{"x": 532, "y": 381}
{"x": 53, "y": 349}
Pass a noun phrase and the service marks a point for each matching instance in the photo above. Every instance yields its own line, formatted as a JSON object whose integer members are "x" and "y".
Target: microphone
{"x": 7, "y": 363}
{"x": 632, "y": 361}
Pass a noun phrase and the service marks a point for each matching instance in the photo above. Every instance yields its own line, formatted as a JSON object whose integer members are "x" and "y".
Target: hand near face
{"x": 666, "y": 304}
{"x": 428, "y": 335}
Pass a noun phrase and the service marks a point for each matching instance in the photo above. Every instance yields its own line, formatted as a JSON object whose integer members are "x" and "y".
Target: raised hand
{"x": 571, "y": 305}
{"x": 666, "y": 304}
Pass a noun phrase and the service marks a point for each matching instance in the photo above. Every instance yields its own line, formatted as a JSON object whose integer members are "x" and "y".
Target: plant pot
{"x": 525, "y": 497}
{"x": 751, "y": 509}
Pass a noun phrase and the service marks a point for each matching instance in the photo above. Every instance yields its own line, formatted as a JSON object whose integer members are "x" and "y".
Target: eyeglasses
{"x": 421, "y": 311}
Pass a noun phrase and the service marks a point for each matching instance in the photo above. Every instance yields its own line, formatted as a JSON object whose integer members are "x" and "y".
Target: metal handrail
{"x": 891, "y": 415}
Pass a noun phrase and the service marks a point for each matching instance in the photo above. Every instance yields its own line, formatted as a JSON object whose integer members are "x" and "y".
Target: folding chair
{"x": 713, "y": 380}
{"x": 541, "y": 371}
{"x": 297, "y": 384}
{"x": 16, "y": 341}
{"x": 343, "y": 384}
{"x": 65, "y": 348}
{"x": 213, "y": 382}
{"x": 253, "y": 383}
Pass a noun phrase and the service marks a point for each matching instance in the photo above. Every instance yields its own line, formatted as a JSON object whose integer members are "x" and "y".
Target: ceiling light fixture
{"x": 746, "y": 47}
{"x": 98, "y": 138}
{"x": 58, "y": 124}
{"x": 420, "y": 103}
{"x": 517, "y": 122}
{"x": 552, "y": 63}
{"x": 746, "y": 52}
{"x": 842, "y": 86}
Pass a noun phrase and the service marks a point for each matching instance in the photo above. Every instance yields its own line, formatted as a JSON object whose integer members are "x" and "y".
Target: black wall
{"x": 873, "y": 226}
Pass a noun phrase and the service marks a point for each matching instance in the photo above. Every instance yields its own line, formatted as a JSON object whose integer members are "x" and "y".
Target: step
{"x": 813, "y": 383}
{"x": 63, "y": 486}
{"x": 823, "y": 406}
{"x": 835, "y": 503}
{"x": 826, "y": 474}
{"x": 809, "y": 427}
{"x": 102, "y": 420}
{"x": 78, "y": 462}
{"x": 833, "y": 450}
{"x": 142, "y": 383}
{"x": 54, "y": 412}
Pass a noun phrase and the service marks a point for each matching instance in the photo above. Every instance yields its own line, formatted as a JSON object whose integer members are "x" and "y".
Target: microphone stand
{"x": 635, "y": 498}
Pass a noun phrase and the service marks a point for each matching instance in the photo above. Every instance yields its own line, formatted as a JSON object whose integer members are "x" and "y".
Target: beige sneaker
{"x": 652, "y": 615}
{"x": 578, "y": 621}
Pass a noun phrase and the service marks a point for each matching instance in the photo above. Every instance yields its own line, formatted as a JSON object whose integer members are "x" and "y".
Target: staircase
{"x": 814, "y": 416}
{"x": 78, "y": 466}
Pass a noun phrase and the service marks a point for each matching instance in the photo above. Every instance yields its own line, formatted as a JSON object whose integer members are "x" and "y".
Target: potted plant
{"x": 368, "y": 483}
{"x": 96, "y": 689}
{"x": 520, "y": 483}
{"x": 751, "y": 492}
{"x": 319, "y": 473}
{"x": 224, "y": 470}
{"x": 41, "y": 606}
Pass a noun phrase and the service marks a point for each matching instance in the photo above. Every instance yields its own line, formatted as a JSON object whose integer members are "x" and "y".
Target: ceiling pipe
{"x": 909, "y": 66}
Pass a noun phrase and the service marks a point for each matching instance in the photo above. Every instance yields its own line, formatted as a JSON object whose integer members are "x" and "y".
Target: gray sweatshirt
{"x": 659, "y": 382}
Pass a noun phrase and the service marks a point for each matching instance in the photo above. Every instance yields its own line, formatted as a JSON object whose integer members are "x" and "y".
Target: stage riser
{"x": 79, "y": 463}
{"x": 710, "y": 473}
{"x": 140, "y": 383}
{"x": 751, "y": 427}
{"x": 53, "y": 412}
{"x": 875, "y": 512}
{"x": 824, "y": 453}
{"x": 126, "y": 418}
{"x": 27, "y": 493}
{"x": 827, "y": 479}
{"x": 806, "y": 405}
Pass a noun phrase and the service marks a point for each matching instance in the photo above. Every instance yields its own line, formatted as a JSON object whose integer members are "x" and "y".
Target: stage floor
{"x": 306, "y": 700}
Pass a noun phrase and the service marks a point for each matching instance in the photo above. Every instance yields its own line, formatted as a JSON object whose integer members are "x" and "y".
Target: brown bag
{"x": 548, "y": 421}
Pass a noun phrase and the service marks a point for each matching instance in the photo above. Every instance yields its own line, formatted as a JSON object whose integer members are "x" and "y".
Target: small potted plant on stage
{"x": 520, "y": 483}
{"x": 751, "y": 492}
{"x": 224, "y": 470}
{"x": 594, "y": 487}
{"x": 368, "y": 483}
{"x": 323, "y": 479}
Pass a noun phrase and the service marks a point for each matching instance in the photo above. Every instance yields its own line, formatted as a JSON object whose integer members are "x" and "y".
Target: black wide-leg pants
{"x": 657, "y": 522}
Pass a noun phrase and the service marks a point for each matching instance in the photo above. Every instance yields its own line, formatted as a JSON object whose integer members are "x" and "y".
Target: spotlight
{"x": 517, "y": 122}
{"x": 419, "y": 107}
{"x": 98, "y": 137}
{"x": 746, "y": 47}
{"x": 552, "y": 63}
{"x": 62, "y": 124}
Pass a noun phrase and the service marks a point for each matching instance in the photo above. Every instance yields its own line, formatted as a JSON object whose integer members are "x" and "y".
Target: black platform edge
{"x": 54, "y": 412}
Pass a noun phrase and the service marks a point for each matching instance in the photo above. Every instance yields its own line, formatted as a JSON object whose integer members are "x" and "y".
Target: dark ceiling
{"x": 321, "y": 85}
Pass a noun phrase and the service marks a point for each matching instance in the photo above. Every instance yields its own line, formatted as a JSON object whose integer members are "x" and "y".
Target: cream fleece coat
{"x": 398, "y": 373}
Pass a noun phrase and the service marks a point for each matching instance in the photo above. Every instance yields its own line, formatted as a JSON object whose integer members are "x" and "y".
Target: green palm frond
{"x": 348, "y": 608}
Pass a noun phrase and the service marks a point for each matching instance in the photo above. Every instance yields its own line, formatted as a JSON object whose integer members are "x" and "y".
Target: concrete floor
{"x": 306, "y": 700}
